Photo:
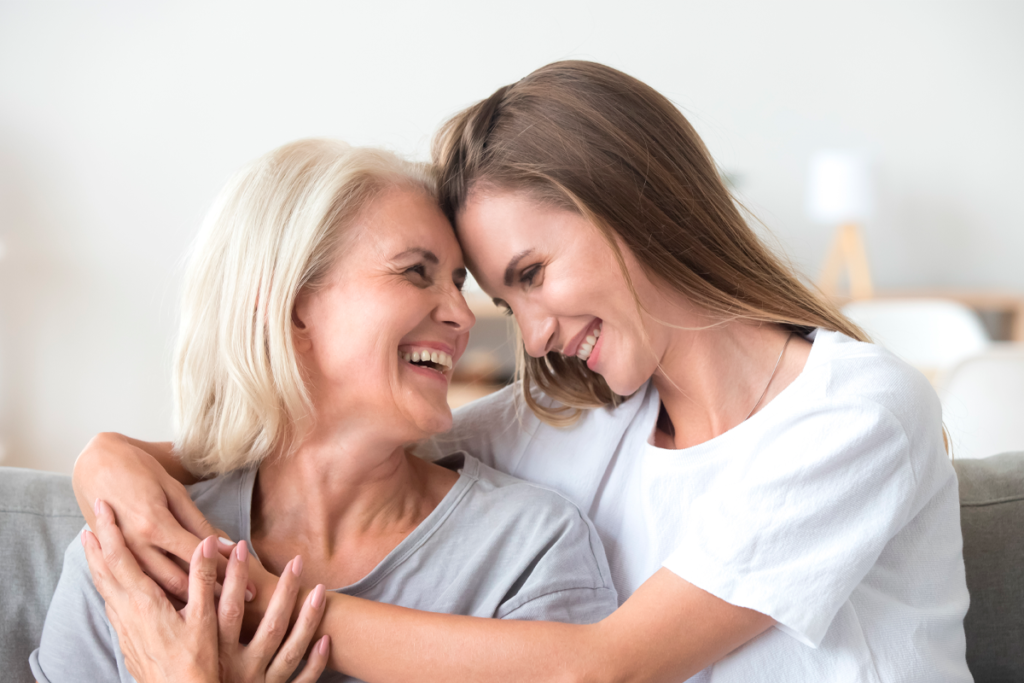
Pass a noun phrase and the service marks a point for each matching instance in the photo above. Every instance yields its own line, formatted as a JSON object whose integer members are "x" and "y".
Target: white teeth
{"x": 587, "y": 347}
{"x": 439, "y": 357}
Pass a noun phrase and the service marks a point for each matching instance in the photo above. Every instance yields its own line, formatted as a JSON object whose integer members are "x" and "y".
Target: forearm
{"x": 668, "y": 630}
{"x": 108, "y": 452}
{"x": 380, "y": 642}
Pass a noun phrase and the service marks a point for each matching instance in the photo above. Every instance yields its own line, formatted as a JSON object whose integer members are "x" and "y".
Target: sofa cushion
{"x": 992, "y": 519}
{"x": 38, "y": 519}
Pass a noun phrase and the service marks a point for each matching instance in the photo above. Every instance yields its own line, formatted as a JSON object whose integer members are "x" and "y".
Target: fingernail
{"x": 316, "y": 598}
{"x": 297, "y": 565}
{"x": 96, "y": 507}
{"x": 225, "y": 541}
{"x": 324, "y": 643}
{"x": 81, "y": 537}
{"x": 248, "y": 595}
{"x": 209, "y": 549}
{"x": 251, "y": 592}
{"x": 241, "y": 551}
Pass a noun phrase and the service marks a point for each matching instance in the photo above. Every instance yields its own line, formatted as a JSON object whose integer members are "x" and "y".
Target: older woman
{"x": 321, "y": 318}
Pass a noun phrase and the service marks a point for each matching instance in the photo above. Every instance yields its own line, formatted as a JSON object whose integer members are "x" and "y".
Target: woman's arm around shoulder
{"x": 144, "y": 483}
{"x": 667, "y": 631}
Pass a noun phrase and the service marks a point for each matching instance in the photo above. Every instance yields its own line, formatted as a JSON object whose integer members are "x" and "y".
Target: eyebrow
{"x": 511, "y": 267}
{"x": 425, "y": 253}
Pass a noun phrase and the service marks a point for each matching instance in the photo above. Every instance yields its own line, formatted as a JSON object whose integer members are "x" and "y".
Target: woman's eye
{"x": 418, "y": 269}
{"x": 528, "y": 276}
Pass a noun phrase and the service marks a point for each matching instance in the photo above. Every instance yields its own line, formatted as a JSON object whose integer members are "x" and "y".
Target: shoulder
{"x": 867, "y": 383}
{"x": 503, "y": 432}
{"x": 523, "y": 502}
{"x": 225, "y": 500}
{"x": 77, "y": 642}
{"x": 536, "y": 519}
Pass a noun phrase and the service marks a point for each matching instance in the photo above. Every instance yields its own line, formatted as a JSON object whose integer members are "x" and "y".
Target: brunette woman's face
{"x": 379, "y": 338}
{"x": 556, "y": 273}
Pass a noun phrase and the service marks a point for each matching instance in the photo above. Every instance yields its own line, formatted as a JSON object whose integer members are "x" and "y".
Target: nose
{"x": 538, "y": 332}
{"x": 454, "y": 311}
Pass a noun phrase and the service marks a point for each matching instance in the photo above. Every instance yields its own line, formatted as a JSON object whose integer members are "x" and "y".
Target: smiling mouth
{"x": 431, "y": 359}
{"x": 587, "y": 347}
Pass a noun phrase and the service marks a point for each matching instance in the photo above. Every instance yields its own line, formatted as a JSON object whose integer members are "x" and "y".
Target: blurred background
{"x": 879, "y": 144}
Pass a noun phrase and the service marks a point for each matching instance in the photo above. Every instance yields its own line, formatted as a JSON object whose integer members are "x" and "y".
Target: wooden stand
{"x": 847, "y": 251}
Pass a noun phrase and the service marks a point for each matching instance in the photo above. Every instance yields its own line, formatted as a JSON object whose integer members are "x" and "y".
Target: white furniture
{"x": 930, "y": 334}
{"x": 983, "y": 401}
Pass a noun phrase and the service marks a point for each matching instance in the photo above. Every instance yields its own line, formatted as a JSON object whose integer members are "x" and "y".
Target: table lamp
{"x": 839, "y": 194}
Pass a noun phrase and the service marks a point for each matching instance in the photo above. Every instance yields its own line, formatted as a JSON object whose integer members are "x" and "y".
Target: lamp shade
{"x": 839, "y": 187}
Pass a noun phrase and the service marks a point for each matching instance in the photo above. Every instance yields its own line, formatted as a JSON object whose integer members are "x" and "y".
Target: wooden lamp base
{"x": 847, "y": 253}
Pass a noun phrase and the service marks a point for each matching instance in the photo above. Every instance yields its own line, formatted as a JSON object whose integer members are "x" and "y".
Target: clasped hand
{"x": 201, "y": 642}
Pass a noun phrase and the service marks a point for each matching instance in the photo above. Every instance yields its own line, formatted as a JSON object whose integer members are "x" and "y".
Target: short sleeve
{"x": 78, "y": 642}
{"x": 568, "y": 579}
{"x": 794, "y": 527}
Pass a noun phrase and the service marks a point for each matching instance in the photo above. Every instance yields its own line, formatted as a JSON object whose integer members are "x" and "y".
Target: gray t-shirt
{"x": 495, "y": 546}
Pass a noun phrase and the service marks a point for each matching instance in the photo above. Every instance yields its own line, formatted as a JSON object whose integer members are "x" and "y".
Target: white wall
{"x": 119, "y": 122}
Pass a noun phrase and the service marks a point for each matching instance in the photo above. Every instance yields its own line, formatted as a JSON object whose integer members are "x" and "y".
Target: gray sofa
{"x": 38, "y": 518}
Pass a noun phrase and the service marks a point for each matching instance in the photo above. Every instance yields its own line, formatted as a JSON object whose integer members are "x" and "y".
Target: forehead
{"x": 399, "y": 219}
{"x": 494, "y": 226}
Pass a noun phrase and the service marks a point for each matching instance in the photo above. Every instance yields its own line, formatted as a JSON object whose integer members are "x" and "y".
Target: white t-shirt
{"x": 834, "y": 510}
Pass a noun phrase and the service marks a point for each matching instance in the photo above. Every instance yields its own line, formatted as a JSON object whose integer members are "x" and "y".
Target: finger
{"x": 105, "y": 583}
{"x": 202, "y": 577}
{"x": 315, "y": 663}
{"x": 225, "y": 546}
{"x": 165, "y": 572}
{"x": 288, "y": 657}
{"x": 119, "y": 560}
{"x": 278, "y": 616}
{"x": 231, "y": 608}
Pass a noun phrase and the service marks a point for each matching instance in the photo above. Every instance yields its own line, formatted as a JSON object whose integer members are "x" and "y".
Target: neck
{"x": 710, "y": 379}
{"x": 349, "y": 494}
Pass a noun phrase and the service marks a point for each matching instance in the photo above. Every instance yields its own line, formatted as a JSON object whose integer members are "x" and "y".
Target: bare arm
{"x": 667, "y": 631}
{"x": 144, "y": 484}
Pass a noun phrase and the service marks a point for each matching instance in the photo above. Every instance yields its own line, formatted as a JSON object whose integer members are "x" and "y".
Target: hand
{"x": 154, "y": 511}
{"x": 160, "y": 644}
{"x": 200, "y": 644}
{"x": 261, "y": 661}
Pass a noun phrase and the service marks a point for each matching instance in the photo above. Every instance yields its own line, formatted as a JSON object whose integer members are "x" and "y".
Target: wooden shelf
{"x": 999, "y": 301}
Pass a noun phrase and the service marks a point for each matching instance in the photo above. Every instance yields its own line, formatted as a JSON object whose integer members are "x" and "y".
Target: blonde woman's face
{"x": 561, "y": 280}
{"x": 379, "y": 338}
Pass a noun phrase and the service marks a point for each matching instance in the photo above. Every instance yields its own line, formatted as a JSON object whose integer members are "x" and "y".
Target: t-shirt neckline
{"x": 469, "y": 474}
{"x": 814, "y": 336}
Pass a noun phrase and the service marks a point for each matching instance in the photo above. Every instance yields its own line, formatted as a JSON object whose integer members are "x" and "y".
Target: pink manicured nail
{"x": 250, "y": 592}
{"x": 81, "y": 537}
{"x": 297, "y": 565}
{"x": 324, "y": 643}
{"x": 316, "y": 598}
{"x": 241, "y": 551}
{"x": 96, "y": 507}
{"x": 209, "y": 548}
{"x": 248, "y": 595}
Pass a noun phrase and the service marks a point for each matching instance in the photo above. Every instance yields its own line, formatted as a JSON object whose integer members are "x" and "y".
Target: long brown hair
{"x": 591, "y": 139}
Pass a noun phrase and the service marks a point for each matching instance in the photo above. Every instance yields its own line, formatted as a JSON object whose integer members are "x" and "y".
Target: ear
{"x": 300, "y": 312}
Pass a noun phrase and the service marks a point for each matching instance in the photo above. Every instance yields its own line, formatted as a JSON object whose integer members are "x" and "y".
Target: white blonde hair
{"x": 275, "y": 229}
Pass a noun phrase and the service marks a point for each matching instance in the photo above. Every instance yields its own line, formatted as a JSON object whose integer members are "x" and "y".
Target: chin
{"x": 626, "y": 383}
{"x": 436, "y": 421}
